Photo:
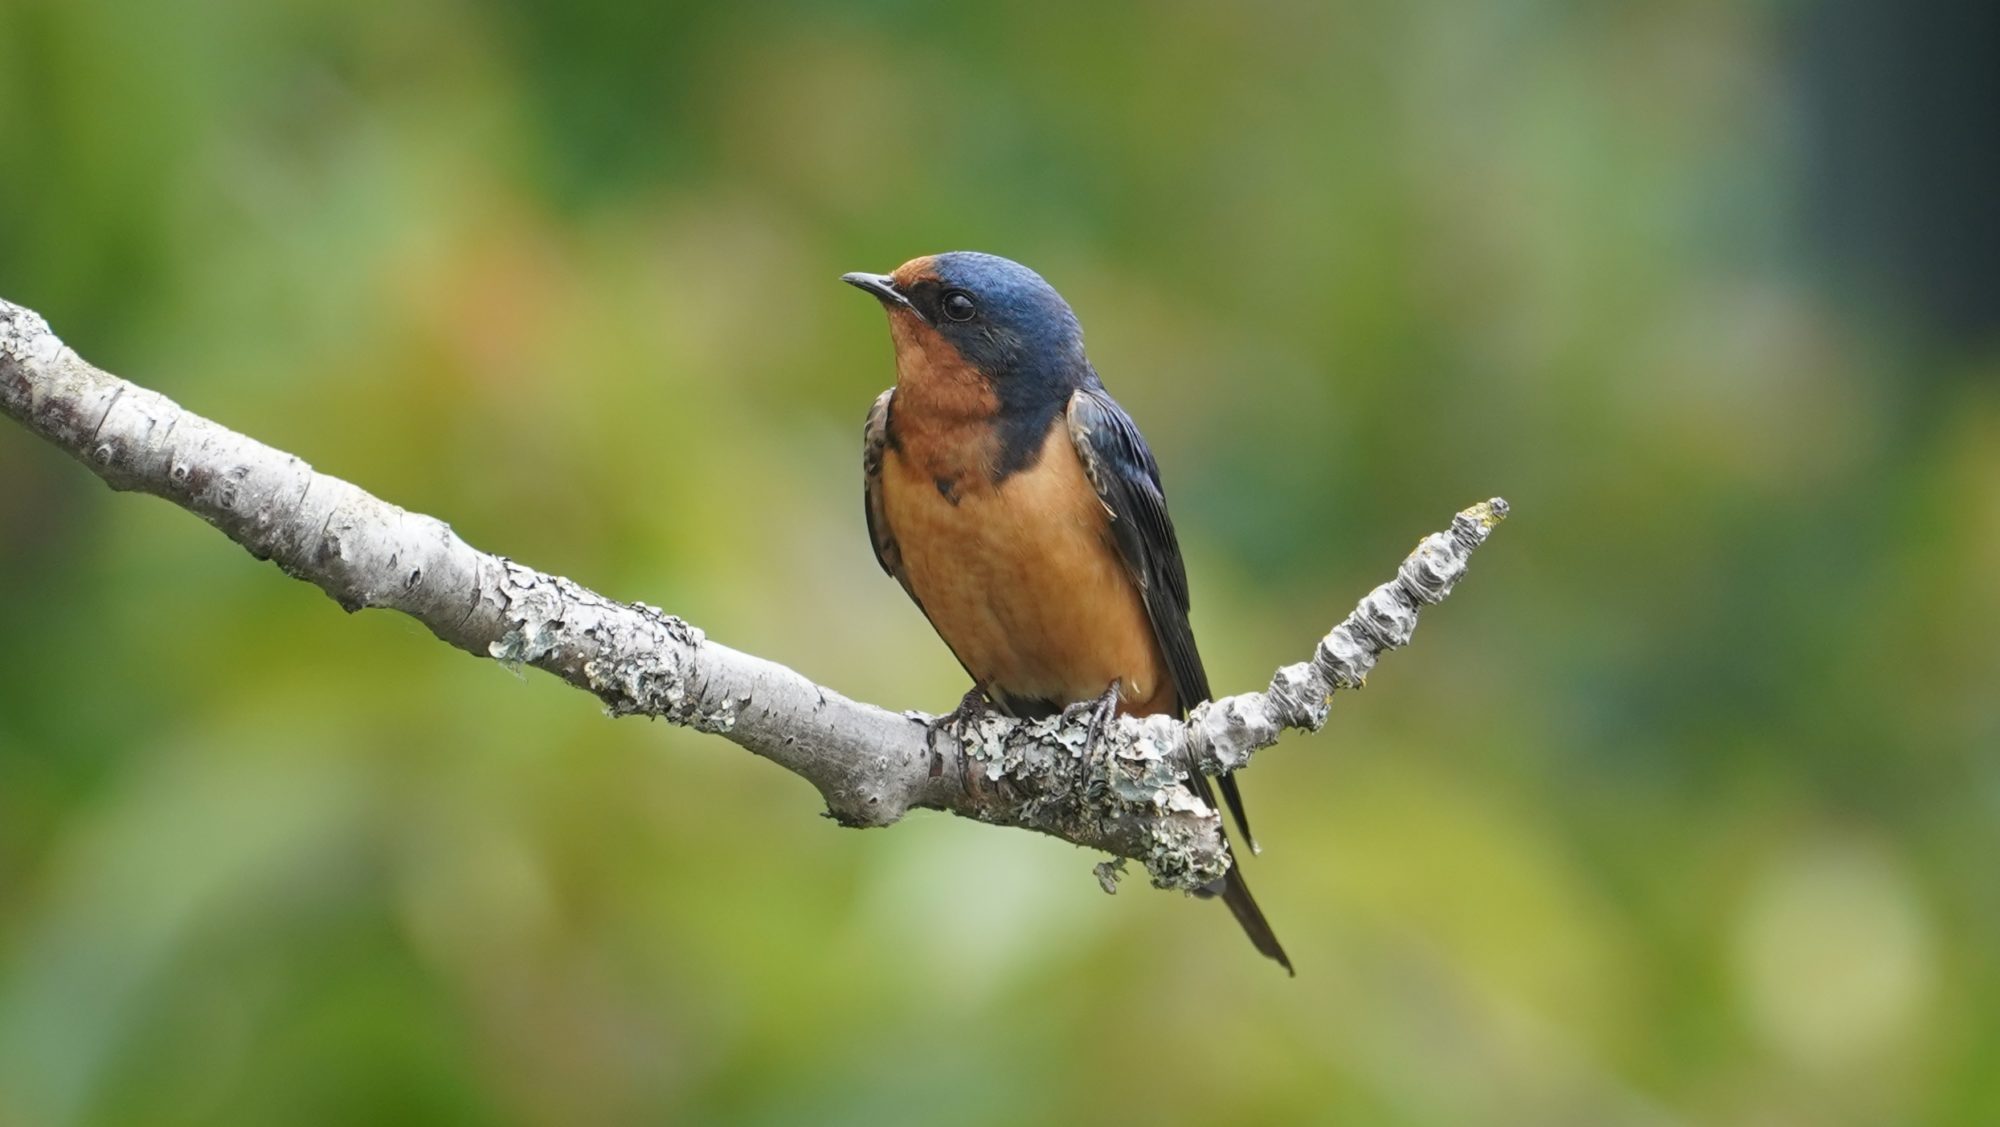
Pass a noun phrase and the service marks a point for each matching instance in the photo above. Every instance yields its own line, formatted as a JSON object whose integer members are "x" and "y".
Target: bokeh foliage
{"x": 1683, "y": 810}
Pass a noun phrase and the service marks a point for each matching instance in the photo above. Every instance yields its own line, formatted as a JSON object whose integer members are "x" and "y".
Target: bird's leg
{"x": 971, "y": 709}
{"x": 1103, "y": 712}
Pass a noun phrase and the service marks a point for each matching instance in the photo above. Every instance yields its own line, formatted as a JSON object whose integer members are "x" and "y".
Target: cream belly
{"x": 1022, "y": 582}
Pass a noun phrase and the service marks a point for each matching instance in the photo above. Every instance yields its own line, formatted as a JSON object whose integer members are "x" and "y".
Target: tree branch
{"x": 1121, "y": 796}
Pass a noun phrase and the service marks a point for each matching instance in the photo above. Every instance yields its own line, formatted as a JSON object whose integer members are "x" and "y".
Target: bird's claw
{"x": 972, "y": 708}
{"x": 1103, "y": 713}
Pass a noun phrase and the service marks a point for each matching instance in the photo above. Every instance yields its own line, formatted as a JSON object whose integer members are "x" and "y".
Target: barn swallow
{"x": 1022, "y": 512}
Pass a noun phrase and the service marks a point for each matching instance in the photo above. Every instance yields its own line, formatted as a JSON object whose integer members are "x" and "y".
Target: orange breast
{"x": 1022, "y": 581}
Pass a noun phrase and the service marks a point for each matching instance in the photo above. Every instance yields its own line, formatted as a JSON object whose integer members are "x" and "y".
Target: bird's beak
{"x": 881, "y": 285}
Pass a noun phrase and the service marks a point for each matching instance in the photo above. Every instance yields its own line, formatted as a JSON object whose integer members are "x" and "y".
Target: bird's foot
{"x": 1103, "y": 713}
{"x": 972, "y": 708}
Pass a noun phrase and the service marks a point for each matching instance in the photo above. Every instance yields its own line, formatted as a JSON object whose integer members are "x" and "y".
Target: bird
{"x": 1022, "y": 511}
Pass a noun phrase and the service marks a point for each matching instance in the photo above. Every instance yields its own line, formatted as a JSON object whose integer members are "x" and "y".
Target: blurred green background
{"x": 1683, "y": 810}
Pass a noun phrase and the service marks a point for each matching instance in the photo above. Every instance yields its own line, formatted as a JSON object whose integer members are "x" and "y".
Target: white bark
{"x": 1122, "y": 796}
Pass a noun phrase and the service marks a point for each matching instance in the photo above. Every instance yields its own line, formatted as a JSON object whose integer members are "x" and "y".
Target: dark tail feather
{"x": 1234, "y": 891}
{"x": 1234, "y": 798}
{"x": 1243, "y": 906}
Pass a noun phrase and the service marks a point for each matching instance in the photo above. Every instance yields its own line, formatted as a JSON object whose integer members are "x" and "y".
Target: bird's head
{"x": 997, "y": 316}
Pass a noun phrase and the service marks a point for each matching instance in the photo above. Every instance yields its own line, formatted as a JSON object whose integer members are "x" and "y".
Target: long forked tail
{"x": 1236, "y": 893}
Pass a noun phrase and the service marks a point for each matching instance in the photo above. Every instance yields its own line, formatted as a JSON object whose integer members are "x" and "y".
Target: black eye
{"x": 958, "y": 305}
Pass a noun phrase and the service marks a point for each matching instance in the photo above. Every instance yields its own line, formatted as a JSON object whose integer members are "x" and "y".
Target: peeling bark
{"x": 1123, "y": 796}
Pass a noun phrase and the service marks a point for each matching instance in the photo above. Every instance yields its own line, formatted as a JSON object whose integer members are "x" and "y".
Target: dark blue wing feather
{"x": 1127, "y": 480}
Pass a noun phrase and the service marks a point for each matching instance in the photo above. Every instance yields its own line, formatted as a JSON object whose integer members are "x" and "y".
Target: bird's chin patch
{"x": 923, "y": 355}
{"x": 901, "y": 315}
